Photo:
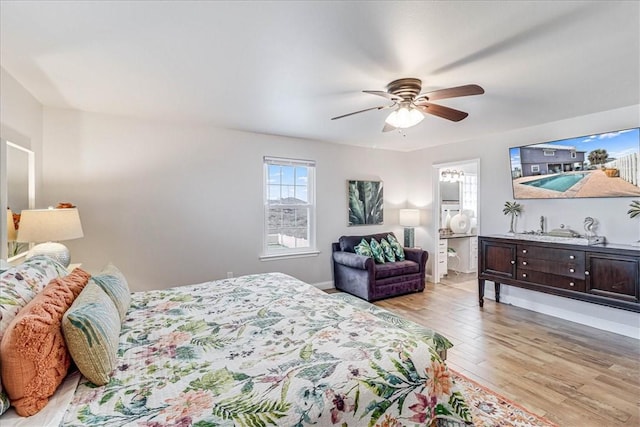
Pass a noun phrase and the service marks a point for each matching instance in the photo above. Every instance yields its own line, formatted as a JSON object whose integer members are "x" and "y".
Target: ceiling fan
{"x": 409, "y": 106}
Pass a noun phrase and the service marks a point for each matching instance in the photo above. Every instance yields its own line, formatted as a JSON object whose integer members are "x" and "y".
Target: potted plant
{"x": 514, "y": 209}
{"x": 634, "y": 212}
{"x": 635, "y": 209}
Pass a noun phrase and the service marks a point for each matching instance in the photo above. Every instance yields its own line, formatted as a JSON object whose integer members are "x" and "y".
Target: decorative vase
{"x": 447, "y": 221}
{"x": 460, "y": 224}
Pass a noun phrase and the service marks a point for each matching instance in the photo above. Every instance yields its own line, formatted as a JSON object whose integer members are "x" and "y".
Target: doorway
{"x": 456, "y": 218}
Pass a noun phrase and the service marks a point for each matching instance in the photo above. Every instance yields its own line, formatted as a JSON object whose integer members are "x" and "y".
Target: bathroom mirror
{"x": 18, "y": 191}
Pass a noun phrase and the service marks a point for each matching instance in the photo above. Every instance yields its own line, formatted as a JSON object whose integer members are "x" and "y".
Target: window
{"x": 470, "y": 193}
{"x": 573, "y": 154}
{"x": 289, "y": 207}
{"x": 549, "y": 153}
{"x": 535, "y": 168}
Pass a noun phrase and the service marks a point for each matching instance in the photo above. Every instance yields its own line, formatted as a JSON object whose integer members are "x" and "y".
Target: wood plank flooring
{"x": 571, "y": 374}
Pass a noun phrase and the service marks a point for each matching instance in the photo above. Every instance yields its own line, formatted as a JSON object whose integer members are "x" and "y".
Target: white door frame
{"x": 435, "y": 179}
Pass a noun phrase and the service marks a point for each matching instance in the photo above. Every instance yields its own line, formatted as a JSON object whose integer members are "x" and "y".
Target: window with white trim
{"x": 535, "y": 168}
{"x": 470, "y": 193}
{"x": 289, "y": 207}
{"x": 549, "y": 153}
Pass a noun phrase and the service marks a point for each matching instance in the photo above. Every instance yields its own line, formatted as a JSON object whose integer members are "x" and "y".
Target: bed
{"x": 267, "y": 349}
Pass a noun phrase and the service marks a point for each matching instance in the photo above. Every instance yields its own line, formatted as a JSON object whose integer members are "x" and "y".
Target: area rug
{"x": 490, "y": 409}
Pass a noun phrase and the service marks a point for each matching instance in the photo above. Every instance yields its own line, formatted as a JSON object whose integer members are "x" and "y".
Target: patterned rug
{"x": 490, "y": 409}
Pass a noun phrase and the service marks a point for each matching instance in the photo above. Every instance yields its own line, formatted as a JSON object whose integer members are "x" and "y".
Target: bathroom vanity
{"x": 606, "y": 274}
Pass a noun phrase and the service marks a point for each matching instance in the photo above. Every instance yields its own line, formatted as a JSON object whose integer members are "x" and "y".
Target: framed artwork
{"x": 366, "y": 203}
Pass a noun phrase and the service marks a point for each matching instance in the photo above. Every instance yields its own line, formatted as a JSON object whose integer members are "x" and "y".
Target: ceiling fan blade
{"x": 388, "y": 128}
{"x": 382, "y": 107}
{"x": 440, "y": 111}
{"x": 384, "y": 94}
{"x": 452, "y": 92}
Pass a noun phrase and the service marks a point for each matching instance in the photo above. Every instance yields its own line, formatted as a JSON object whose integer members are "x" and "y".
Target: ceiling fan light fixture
{"x": 404, "y": 117}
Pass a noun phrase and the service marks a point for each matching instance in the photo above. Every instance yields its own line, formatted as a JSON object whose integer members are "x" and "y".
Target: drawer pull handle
{"x": 586, "y": 273}
{"x": 513, "y": 262}
{"x": 524, "y": 251}
{"x": 524, "y": 262}
{"x": 524, "y": 274}
{"x": 572, "y": 257}
{"x": 571, "y": 284}
{"x": 571, "y": 270}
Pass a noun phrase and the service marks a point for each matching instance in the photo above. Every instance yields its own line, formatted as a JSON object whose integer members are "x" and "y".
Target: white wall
{"x": 176, "y": 204}
{"x": 20, "y": 113}
{"x": 21, "y": 118}
{"x": 20, "y": 123}
{"x": 495, "y": 190}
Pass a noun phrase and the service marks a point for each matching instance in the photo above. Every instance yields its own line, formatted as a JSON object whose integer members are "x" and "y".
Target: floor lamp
{"x": 409, "y": 218}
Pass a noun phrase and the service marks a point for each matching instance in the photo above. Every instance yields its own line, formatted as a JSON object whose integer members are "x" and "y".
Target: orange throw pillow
{"x": 33, "y": 354}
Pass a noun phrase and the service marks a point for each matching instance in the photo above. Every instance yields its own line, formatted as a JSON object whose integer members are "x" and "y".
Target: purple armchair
{"x": 361, "y": 276}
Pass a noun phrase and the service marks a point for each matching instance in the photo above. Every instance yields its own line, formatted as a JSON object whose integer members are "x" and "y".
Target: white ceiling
{"x": 286, "y": 68}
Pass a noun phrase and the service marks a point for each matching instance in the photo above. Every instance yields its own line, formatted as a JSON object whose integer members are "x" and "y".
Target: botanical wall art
{"x": 366, "y": 204}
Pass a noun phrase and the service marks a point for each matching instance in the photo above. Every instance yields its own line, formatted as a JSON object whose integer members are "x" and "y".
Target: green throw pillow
{"x": 388, "y": 251}
{"x": 376, "y": 249}
{"x": 113, "y": 282}
{"x": 91, "y": 328}
{"x": 363, "y": 248}
{"x": 397, "y": 247}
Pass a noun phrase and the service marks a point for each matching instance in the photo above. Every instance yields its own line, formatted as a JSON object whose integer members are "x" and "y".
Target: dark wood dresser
{"x": 604, "y": 274}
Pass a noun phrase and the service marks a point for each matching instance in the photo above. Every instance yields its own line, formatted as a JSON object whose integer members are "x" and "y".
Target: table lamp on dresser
{"x": 50, "y": 226}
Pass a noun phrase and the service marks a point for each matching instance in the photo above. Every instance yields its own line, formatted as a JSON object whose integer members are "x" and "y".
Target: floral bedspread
{"x": 440, "y": 343}
{"x": 264, "y": 350}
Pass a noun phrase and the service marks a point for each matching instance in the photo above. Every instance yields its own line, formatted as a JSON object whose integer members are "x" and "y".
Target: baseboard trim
{"x": 324, "y": 285}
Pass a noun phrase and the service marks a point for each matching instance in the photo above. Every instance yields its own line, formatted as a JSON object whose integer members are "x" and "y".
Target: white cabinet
{"x": 466, "y": 253}
{"x": 473, "y": 254}
{"x": 442, "y": 258}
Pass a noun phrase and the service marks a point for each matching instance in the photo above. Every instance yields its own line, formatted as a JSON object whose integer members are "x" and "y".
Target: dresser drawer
{"x": 549, "y": 279}
{"x": 551, "y": 254}
{"x": 573, "y": 268}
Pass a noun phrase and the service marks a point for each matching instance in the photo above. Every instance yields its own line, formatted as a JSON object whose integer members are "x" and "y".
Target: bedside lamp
{"x": 11, "y": 233}
{"x": 50, "y": 226}
{"x": 409, "y": 218}
{"x": 11, "y": 227}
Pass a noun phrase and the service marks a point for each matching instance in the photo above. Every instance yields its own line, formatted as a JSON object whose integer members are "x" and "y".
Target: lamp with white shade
{"x": 409, "y": 218}
{"x": 11, "y": 227}
{"x": 11, "y": 237}
{"x": 50, "y": 226}
{"x": 11, "y": 233}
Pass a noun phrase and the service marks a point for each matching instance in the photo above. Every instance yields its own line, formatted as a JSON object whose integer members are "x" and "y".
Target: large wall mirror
{"x": 17, "y": 174}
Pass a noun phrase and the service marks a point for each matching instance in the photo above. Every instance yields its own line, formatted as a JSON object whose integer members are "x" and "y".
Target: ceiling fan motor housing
{"x": 407, "y": 88}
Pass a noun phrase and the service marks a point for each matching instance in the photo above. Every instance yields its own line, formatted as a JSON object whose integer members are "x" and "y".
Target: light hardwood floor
{"x": 573, "y": 375}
